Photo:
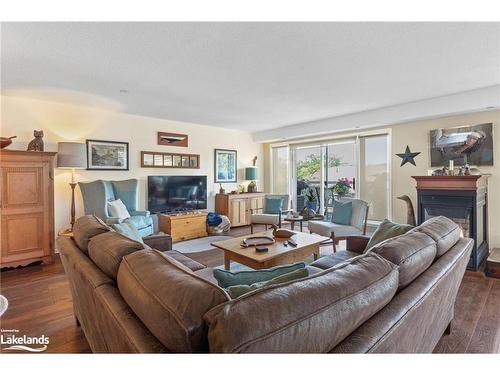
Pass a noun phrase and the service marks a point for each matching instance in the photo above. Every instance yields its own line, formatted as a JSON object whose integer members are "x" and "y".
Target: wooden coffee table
{"x": 278, "y": 253}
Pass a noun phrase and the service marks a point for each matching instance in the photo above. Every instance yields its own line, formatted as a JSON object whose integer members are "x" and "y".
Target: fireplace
{"x": 463, "y": 199}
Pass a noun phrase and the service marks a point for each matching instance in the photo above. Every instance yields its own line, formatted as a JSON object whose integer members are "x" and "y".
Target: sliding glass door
{"x": 308, "y": 173}
{"x": 316, "y": 173}
{"x": 340, "y": 171}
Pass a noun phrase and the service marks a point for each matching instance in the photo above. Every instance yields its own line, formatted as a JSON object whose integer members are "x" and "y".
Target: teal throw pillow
{"x": 273, "y": 205}
{"x": 239, "y": 290}
{"x": 226, "y": 279}
{"x": 128, "y": 230}
{"x": 387, "y": 229}
{"x": 342, "y": 213}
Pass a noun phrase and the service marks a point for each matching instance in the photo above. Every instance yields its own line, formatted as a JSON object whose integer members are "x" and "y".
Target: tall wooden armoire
{"x": 26, "y": 207}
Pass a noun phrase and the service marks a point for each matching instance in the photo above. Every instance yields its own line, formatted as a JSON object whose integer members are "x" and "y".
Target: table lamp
{"x": 72, "y": 155}
{"x": 251, "y": 175}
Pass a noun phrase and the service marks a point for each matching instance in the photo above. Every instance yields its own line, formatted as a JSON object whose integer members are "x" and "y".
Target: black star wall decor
{"x": 408, "y": 156}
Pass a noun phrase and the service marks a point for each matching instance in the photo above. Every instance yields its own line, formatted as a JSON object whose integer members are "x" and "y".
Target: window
{"x": 279, "y": 180}
{"x": 374, "y": 175}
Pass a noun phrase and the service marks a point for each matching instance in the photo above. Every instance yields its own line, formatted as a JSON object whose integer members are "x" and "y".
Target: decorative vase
{"x": 312, "y": 205}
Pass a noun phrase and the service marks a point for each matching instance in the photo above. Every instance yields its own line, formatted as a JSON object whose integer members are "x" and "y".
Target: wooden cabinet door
{"x": 238, "y": 208}
{"x": 25, "y": 211}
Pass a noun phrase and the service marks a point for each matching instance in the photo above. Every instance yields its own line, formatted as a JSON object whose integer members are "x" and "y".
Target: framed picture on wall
{"x": 158, "y": 160}
{"x": 107, "y": 155}
{"x": 193, "y": 162}
{"x": 167, "y": 160}
{"x": 147, "y": 160}
{"x": 225, "y": 165}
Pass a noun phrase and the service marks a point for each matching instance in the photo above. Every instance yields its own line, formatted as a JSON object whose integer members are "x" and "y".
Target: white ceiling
{"x": 252, "y": 76}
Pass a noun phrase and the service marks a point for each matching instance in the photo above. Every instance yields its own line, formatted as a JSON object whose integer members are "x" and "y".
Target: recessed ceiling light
{"x": 124, "y": 91}
{"x": 357, "y": 127}
{"x": 490, "y": 107}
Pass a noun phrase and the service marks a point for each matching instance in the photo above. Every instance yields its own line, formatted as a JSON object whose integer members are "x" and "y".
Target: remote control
{"x": 292, "y": 242}
{"x": 261, "y": 249}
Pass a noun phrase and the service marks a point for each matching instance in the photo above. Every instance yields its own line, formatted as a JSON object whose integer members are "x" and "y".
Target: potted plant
{"x": 311, "y": 201}
{"x": 342, "y": 187}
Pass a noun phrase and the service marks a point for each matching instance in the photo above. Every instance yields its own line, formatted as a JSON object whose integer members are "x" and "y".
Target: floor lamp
{"x": 71, "y": 155}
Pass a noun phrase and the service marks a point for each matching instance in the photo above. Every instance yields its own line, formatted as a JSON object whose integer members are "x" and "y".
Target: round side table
{"x": 293, "y": 220}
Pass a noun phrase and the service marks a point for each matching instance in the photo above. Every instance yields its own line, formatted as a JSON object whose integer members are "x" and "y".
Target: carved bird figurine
{"x": 410, "y": 213}
{"x": 5, "y": 141}
{"x": 281, "y": 233}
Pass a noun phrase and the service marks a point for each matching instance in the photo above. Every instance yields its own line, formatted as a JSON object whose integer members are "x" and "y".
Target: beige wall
{"x": 77, "y": 122}
{"x": 416, "y": 135}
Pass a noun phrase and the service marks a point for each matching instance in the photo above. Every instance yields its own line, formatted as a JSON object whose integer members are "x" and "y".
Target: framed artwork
{"x": 158, "y": 160}
{"x": 167, "y": 160}
{"x": 147, "y": 160}
{"x": 172, "y": 139}
{"x": 153, "y": 159}
{"x": 193, "y": 162}
{"x": 471, "y": 145}
{"x": 107, "y": 155}
{"x": 225, "y": 165}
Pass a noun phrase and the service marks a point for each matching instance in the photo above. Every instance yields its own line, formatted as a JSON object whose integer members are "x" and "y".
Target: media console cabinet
{"x": 183, "y": 226}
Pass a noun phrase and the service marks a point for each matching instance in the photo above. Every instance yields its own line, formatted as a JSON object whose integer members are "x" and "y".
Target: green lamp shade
{"x": 250, "y": 173}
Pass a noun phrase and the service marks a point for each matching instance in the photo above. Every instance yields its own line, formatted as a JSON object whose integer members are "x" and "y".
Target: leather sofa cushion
{"x": 188, "y": 262}
{"x": 108, "y": 249}
{"x": 87, "y": 227}
{"x": 442, "y": 230}
{"x": 309, "y": 315}
{"x": 413, "y": 252}
{"x": 169, "y": 299}
{"x": 332, "y": 260}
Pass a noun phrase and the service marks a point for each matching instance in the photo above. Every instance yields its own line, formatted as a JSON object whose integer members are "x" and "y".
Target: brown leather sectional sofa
{"x": 396, "y": 298}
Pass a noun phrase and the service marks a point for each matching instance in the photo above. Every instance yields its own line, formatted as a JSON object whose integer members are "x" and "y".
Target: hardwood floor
{"x": 40, "y": 303}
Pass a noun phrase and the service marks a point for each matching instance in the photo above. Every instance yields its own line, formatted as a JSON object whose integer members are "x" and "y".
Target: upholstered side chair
{"x": 97, "y": 194}
{"x": 338, "y": 232}
{"x": 270, "y": 215}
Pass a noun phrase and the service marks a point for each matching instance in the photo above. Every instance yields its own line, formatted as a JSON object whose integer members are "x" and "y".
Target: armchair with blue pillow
{"x": 273, "y": 212}
{"x": 101, "y": 197}
{"x": 348, "y": 218}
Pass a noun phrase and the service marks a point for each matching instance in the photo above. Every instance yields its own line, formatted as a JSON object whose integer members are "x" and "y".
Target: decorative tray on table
{"x": 257, "y": 241}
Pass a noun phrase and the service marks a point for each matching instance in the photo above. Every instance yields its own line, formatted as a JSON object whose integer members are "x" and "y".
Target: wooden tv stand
{"x": 183, "y": 226}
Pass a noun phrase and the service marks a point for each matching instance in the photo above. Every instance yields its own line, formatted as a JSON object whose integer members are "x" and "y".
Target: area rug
{"x": 197, "y": 245}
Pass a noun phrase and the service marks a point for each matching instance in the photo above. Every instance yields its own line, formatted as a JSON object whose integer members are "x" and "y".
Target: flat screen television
{"x": 177, "y": 193}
